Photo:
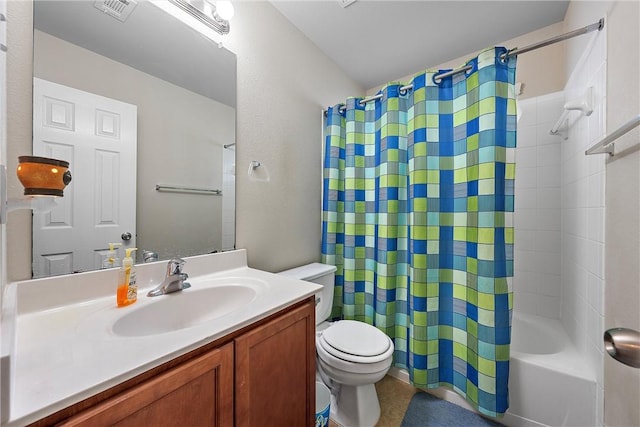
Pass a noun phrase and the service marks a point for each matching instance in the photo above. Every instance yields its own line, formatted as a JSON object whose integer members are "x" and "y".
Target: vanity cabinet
{"x": 275, "y": 372}
{"x": 197, "y": 393}
{"x": 262, "y": 375}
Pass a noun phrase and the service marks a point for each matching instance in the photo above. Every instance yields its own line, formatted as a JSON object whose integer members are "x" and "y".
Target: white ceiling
{"x": 149, "y": 40}
{"x": 375, "y": 41}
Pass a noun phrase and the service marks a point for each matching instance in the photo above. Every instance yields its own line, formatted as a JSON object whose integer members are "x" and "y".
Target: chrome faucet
{"x": 149, "y": 256}
{"x": 174, "y": 280}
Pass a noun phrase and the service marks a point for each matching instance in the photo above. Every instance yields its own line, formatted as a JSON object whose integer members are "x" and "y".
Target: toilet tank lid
{"x": 309, "y": 271}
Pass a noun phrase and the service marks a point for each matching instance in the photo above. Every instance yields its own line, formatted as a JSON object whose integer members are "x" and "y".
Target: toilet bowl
{"x": 351, "y": 356}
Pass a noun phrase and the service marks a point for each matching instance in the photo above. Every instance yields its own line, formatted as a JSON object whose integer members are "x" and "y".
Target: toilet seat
{"x": 355, "y": 342}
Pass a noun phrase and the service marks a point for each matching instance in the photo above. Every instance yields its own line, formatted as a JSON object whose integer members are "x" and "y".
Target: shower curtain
{"x": 417, "y": 217}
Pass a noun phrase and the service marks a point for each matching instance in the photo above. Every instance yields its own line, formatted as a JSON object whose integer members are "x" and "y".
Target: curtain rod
{"x": 512, "y": 52}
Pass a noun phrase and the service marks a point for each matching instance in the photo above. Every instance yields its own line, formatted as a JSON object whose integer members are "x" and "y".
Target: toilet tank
{"x": 321, "y": 274}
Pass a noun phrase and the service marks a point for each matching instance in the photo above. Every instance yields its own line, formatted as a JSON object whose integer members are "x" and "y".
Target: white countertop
{"x": 64, "y": 353}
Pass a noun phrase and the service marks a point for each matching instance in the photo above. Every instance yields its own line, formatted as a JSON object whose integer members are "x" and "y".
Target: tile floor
{"x": 394, "y": 396}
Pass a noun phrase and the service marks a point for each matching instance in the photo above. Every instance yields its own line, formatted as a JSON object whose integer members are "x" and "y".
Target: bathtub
{"x": 549, "y": 382}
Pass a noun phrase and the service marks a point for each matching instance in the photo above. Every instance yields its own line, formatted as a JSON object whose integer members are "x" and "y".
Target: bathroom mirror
{"x": 181, "y": 87}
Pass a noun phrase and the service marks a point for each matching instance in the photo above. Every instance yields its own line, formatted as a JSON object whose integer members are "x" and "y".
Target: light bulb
{"x": 224, "y": 9}
{"x": 208, "y": 8}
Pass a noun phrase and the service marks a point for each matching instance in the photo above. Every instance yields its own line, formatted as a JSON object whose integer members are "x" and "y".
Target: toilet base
{"x": 356, "y": 406}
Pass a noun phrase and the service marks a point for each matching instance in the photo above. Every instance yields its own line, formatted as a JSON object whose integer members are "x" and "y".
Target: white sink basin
{"x": 69, "y": 327}
{"x": 203, "y": 302}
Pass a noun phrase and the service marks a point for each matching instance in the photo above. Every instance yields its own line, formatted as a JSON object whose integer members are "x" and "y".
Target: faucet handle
{"x": 175, "y": 266}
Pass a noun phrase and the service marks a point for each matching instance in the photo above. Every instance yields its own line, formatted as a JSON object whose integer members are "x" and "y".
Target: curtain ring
{"x": 503, "y": 56}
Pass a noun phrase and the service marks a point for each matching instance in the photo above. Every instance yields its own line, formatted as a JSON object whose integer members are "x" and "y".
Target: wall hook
{"x": 258, "y": 172}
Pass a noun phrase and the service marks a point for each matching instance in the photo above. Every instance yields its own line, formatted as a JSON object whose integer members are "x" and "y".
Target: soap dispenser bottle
{"x": 111, "y": 260}
{"x": 127, "y": 292}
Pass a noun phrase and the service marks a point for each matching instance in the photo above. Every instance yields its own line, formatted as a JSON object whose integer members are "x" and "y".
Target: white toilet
{"x": 351, "y": 356}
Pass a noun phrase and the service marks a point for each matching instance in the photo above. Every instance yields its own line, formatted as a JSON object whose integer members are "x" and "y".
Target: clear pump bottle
{"x": 111, "y": 260}
{"x": 127, "y": 292}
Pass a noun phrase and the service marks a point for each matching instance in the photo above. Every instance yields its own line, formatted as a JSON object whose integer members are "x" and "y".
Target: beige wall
{"x": 622, "y": 253}
{"x": 622, "y": 200}
{"x": 541, "y": 71}
{"x": 19, "y": 129}
{"x": 284, "y": 82}
{"x": 622, "y": 190}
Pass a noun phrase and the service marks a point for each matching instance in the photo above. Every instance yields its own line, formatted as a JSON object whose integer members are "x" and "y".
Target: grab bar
{"x": 555, "y": 130}
{"x": 583, "y": 104}
{"x": 190, "y": 190}
{"x": 606, "y": 144}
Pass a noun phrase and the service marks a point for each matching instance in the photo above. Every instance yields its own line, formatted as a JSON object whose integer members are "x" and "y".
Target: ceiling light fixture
{"x": 213, "y": 15}
{"x": 209, "y": 18}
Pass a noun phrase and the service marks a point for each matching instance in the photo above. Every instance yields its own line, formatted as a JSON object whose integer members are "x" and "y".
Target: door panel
{"x": 54, "y": 265}
{"x": 98, "y": 137}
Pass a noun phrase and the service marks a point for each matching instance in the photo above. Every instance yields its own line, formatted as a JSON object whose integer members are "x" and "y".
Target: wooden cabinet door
{"x": 275, "y": 372}
{"x": 196, "y": 393}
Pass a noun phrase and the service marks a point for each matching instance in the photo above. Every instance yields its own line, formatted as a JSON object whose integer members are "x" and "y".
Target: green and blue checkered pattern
{"x": 417, "y": 217}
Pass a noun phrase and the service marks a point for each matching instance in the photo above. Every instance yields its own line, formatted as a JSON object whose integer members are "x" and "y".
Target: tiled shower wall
{"x": 583, "y": 179}
{"x": 537, "y": 218}
{"x": 559, "y": 213}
